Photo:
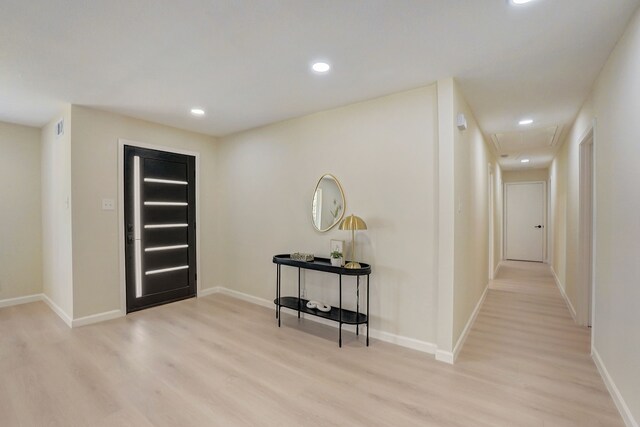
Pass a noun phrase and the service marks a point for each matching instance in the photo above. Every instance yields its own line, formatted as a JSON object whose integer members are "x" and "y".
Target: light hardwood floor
{"x": 217, "y": 361}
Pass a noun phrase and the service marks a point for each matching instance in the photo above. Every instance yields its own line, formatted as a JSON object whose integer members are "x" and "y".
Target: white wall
{"x": 472, "y": 162}
{"x": 94, "y": 166}
{"x": 497, "y": 218}
{"x": 557, "y": 217}
{"x": 564, "y": 194}
{"x": 383, "y": 153}
{"x": 525, "y": 175}
{"x": 57, "y": 272}
{"x": 445, "y": 230}
{"x": 614, "y": 103}
{"x": 465, "y": 160}
{"x": 20, "y": 218}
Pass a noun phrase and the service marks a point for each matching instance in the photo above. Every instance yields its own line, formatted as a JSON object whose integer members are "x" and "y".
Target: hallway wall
{"x": 463, "y": 219}
{"x": 614, "y": 103}
{"x": 558, "y": 218}
{"x": 498, "y": 213}
{"x": 473, "y": 159}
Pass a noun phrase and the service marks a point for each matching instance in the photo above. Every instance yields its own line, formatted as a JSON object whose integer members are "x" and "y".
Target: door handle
{"x": 538, "y": 226}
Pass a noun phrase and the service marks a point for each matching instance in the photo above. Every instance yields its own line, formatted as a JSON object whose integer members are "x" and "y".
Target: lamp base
{"x": 352, "y": 265}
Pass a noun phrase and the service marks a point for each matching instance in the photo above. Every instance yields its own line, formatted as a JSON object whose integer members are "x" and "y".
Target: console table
{"x": 337, "y": 314}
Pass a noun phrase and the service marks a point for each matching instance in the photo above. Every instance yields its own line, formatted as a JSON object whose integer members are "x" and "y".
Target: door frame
{"x": 121, "y": 228}
{"x": 544, "y": 216}
{"x": 586, "y": 229}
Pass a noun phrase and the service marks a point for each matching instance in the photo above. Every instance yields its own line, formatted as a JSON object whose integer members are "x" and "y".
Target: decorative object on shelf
{"x": 325, "y": 308}
{"x": 336, "y": 245}
{"x": 320, "y": 306}
{"x": 336, "y": 258}
{"x": 353, "y": 223}
{"x": 301, "y": 256}
{"x": 328, "y": 204}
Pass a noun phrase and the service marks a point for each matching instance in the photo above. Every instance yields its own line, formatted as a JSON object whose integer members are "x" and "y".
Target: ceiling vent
{"x": 526, "y": 140}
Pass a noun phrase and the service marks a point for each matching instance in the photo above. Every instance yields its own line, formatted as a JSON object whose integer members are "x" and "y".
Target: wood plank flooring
{"x": 217, "y": 361}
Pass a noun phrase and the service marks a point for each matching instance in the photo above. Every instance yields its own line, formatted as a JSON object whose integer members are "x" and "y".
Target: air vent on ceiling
{"x": 504, "y": 156}
{"x": 529, "y": 139}
{"x": 556, "y": 136}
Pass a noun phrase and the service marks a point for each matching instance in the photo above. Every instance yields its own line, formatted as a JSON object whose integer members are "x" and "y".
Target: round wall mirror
{"x": 328, "y": 204}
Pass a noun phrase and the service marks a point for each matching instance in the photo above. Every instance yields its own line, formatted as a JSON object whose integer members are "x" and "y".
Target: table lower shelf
{"x": 348, "y": 317}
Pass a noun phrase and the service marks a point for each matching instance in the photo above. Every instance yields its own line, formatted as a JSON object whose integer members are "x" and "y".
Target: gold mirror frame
{"x": 336, "y": 209}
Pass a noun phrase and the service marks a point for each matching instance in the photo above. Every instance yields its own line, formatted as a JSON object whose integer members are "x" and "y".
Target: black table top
{"x": 322, "y": 264}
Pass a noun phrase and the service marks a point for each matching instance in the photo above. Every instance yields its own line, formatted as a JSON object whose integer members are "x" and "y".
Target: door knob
{"x": 537, "y": 226}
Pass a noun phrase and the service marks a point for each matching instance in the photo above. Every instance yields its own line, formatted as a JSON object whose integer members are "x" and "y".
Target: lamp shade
{"x": 353, "y": 222}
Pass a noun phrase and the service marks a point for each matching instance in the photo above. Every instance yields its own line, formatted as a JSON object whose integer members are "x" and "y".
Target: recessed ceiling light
{"x": 321, "y": 67}
{"x": 519, "y": 2}
{"x": 525, "y": 122}
{"x": 197, "y": 112}
{"x": 524, "y": 161}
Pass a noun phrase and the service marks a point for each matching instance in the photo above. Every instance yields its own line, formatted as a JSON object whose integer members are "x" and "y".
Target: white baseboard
{"x": 246, "y": 297}
{"x": 114, "y": 314}
{"x": 564, "y": 294}
{"x": 20, "y": 300}
{"x": 72, "y": 323}
{"x": 95, "y": 318}
{"x": 445, "y": 356}
{"x": 624, "y": 410}
{"x": 57, "y": 310}
{"x": 208, "y": 291}
{"x": 402, "y": 341}
{"x": 495, "y": 272}
{"x": 412, "y": 343}
{"x": 467, "y": 328}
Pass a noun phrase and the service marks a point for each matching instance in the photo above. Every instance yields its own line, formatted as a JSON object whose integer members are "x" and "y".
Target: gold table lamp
{"x": 353, "y": 223}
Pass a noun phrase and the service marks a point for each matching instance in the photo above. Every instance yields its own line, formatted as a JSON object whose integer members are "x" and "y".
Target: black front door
{"x": 160, "y": 223}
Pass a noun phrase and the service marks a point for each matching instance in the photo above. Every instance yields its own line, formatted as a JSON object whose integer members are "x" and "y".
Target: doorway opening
{"x": 585, "y": 230}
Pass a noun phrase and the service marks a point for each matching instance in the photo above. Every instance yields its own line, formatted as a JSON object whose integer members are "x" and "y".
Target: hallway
{"x": 525, "y": 342}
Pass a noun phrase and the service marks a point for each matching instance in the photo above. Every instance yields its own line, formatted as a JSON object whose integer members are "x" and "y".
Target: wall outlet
{"x": 108, "y": 204}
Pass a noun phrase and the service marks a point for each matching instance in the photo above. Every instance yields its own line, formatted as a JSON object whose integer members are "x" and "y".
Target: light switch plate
{"x": 108, "y": 204}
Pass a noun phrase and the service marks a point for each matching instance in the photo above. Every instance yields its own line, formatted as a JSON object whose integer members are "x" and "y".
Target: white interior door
{"x": 524, "y": 225}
